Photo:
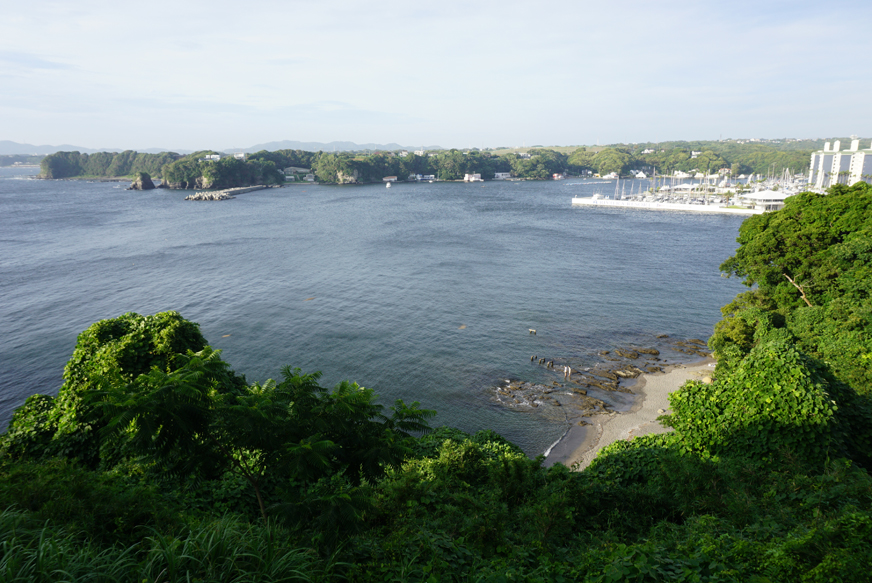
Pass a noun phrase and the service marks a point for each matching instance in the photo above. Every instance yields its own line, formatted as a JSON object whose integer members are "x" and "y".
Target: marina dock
{"x": 666, "y": 206}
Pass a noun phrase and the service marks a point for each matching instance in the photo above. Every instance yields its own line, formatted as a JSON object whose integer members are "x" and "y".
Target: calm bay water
{"x": 395, "y": 275}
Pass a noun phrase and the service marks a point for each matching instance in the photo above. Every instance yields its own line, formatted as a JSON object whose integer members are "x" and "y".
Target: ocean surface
{"x": 422, "y": 292}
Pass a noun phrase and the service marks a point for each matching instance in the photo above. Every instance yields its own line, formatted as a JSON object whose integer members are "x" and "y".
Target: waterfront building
{"x": 766, "y": 200}
{"x": 834, "y": 166}
{"x": 502, "y": 175}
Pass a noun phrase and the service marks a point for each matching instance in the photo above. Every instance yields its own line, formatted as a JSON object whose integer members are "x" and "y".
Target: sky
{"x": 188, "y": 74}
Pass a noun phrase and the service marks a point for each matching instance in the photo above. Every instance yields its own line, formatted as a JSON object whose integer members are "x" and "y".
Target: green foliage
{"x": 811, "y": 265}
{"x": 127, "y": 163}
{"x": 196, "y": 418}
{"x": 216, "y": 550}
{"x": 191, "y": 172}
{"x": 116, "y": 350}
{"x": 610, "y": 160}
{"x": 776, "y": 402}
{"x": 111, "y": 507}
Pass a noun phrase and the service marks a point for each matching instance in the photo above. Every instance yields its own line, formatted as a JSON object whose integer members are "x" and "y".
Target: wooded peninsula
{"x": 209, "y": 169}
{"x": 156, "y": 461}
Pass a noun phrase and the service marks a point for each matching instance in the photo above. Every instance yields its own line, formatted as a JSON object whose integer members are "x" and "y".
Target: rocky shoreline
{"x": 606, "y": 388}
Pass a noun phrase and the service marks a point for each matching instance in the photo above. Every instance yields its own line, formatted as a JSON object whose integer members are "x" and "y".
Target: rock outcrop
{"x": 142, "y": 182}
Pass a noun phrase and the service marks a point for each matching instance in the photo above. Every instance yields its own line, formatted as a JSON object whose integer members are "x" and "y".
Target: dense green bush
{"x": 113, "y": 351}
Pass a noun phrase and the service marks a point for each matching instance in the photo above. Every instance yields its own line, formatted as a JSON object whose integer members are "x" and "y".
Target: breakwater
{"x": 664, "y": 206}
{"x": 225, "y": 194}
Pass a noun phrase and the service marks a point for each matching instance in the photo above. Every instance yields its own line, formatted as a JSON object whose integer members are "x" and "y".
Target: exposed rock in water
{"x": 142, "y": 182}
{"x": 652, "y": 351}
{"x": 698, "y": 341}
{"x": 662, "y": 336}
{"x": 604, "y": 374}
{"x": 627, "y": 353}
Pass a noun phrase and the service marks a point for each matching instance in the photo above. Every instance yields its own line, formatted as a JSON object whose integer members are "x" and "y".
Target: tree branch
{"x": 799, "y": 287}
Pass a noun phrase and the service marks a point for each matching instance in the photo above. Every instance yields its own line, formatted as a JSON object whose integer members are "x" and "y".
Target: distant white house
{"x": 310, "y": 178}
{"x": 694, "y": 154}
{"x": 502, "y": 175}
{"x": 419, "y": 152}
{"x": 641, "y": 174}
{"x": 680, "y": 174}
{"x": 389, "y": 179}
{"x": 647, "y": 151}
{"x": 472, "y": 178}
{"x": 403, "y": 154}
{"x": 239, "y": 155}
{"x": 524, "y": 155}
{"x": 767, "y": 200}
{"x": 210, "y": 158}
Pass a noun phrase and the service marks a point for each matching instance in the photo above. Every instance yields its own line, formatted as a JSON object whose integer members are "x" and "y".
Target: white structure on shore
{"x": 832, "y": 166}
{"x": 665, "y": 206}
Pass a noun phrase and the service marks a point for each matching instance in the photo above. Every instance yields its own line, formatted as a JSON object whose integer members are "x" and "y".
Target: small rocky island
{"x": 143, "y": 182}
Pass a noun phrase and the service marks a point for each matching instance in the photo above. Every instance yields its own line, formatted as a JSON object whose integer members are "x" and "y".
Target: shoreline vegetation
{"x": 157, "y": 461}
{"x": 581, "y": 443}
{"x": 206, "y": 170}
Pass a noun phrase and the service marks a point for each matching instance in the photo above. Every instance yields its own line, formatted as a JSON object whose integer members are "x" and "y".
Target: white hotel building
{"x": 831, "y": 166}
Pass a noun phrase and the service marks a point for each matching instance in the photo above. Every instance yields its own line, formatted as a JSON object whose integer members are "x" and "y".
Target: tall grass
{"x": 219, "y": 550}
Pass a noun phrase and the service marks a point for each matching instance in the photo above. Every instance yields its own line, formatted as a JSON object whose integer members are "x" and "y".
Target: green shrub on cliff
{"x": 811, "y": 263}
{"x": 777, "y": 401}
{"x": 116, "y": 350}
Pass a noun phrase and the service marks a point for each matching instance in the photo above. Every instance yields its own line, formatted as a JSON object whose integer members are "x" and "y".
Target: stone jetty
{"x": 225, "y": 194}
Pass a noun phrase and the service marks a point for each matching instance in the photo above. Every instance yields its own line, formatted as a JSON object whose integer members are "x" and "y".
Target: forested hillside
{"x": 158, "y": 462}
{"x": 348, "y": 167}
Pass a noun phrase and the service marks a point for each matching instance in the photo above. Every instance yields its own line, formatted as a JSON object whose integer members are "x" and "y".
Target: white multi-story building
{"x": 833, "y": 166}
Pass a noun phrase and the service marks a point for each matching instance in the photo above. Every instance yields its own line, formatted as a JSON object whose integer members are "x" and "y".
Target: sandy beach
{"x": 583, "y": 442}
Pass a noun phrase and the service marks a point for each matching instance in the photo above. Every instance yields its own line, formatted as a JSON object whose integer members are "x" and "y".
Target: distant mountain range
{"x": 12, "y": 148}
{"x": 329, "y": 147}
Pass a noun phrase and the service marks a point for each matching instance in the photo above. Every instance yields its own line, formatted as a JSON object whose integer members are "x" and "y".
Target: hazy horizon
{"x": 199, "y": 75}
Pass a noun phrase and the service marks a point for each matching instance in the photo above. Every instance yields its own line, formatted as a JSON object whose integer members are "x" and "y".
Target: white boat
{"x": 388, "y": 185}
